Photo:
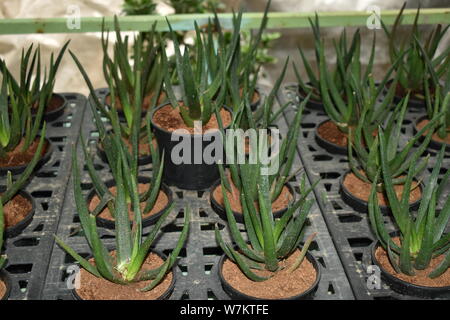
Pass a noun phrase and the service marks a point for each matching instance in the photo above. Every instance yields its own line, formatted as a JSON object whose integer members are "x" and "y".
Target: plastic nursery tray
{"x": 196, "y": 276}
{"x": 29, "y": 252}
{"x": 349, "y": 229}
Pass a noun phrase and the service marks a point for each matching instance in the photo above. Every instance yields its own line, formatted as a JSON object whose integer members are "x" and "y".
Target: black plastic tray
{"x": 196, "y": 276}
{"x": 29, "y": 253}
{"x": 349, "y": 229}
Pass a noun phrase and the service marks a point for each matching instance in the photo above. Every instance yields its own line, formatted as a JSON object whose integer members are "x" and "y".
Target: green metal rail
{"x": 186, "y": 21}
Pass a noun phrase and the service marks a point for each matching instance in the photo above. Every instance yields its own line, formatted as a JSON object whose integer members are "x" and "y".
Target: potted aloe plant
{"x": 273, "y": 264}
{"x": 413, "y": 70}
{"x": 185, "y": 127}
{"x": 19, "y": 140}
{"x": 35, "y": 84}
{"x": 415, "y": 259}
{"x": 130, "y": 270}
{"x": 364, "y": 160}
{"x": 243, "y": 174}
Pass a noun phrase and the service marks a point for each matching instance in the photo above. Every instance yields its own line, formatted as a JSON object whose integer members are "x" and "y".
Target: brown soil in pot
{"x": 421, "y": 276}
{"x": 282, "y": 285}
{"x": 435, "y": 136}
{"x": 256, "y": 96}
{"x": 304, "y": 94}
{"x": 361, "y": 190}
{"x": 144, "y": 146}
{"x": 169, "y": 119}
{"x": 93, "y": 288}
{"x": 2, "y": 289}
{"x": 160, "y": 204}
{"x": 15, "y": 210}
{"x": 55, "y": 103}
{"x": 16, "y": 157}
{"x": 145, "y": 105}
{"x": 280, "y": 203}
{"x": 330, "y": 132}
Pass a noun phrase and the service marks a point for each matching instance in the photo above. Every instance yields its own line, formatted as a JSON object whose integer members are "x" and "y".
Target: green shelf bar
{"x": 186, "y": 21}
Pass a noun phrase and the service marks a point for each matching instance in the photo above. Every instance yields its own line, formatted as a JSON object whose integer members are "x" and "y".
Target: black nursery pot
{"x": 413, "y": 102}
{"x": 110, "y": 224}
{"x": 14, "y": 231}
{"x": 363, "y": 206}
{"x": 327, "y": 145}
{"x": 220, "y": 210}
{"x": 142, "y": 160}
{"x": 166, "y": 293}
{"x": 312, "y": 104}
{"x": 19, "y": 169}
{"x": 189, "y": 176}
{"x": 57, "y": 112}
{"x": 4, "y": 277}
{"x": 436, "y": 145}
{"x": 407, "y": 288}
{"x": 234, "y": 294}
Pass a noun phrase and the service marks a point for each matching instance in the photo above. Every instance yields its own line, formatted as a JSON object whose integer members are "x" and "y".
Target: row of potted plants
{"x": 217, "y": 85}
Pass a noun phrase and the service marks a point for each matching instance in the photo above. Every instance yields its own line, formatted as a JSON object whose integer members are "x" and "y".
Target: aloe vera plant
{"x": 422, "y": 235}
{"x": 17, "y": 123}
{"x": 138, "y": 7}
{"x": 413, "y": 69}
{"x": 363, "y": 150}
{"x": 132, "y": 247}
{"x": 34, "y": 84}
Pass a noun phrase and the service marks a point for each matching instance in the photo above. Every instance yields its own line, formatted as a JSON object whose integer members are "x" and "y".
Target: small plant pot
{"x": 328, "y": 145}
{"x": 234, "y": 294}
{"x": 189, "y": 176}
{"x": 257, "y": 103}
{"x": 120, "y": 112}
{"x": 17, "y": 229}
{"x": 434, "y": 144}
{"x": 15, "y": 170}
{"x": 220, "y": 210}
{"x": 408, "y": 288}
{"x": 57, "y": 111}
{"x": 110, "y": 224}
{"x": 361, "y": 205}
{"x": 312, "y": 104}
{"x": 164, "y": 296}
{"x": 142, "y": 160}
{"x": 413, "y": 102}
{"x": 6, "y": 279}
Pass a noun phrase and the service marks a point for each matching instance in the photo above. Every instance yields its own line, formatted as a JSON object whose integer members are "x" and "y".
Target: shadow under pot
{"x": 145, "y": 105}
{"x": 279, "y": 206}
{"x": 17, "y": 161}
{"x": 143, "y": 159}
{"x": 329, "y": 137}
{"x": 356, "y": 192}
{"x": 312, "y": 104}
{"x": 418, "y": 286}
{"x": 414, "y": 101}
{"x": 104, "y": 218}
{"x": 436, "y": 142}
{"x": 190, "y": 160}
{"x": 94, "y": 288}
{"x": 5, "y": 285}
{"x": 302, "y": 282}
{"x": 18, "y": 212}
{"x": 54, "y": 109}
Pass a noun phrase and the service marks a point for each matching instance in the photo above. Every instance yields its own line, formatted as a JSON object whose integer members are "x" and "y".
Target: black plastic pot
{"x": 5, "y": 278}
{"x": 220, "y": 210}
{"x": 164, "y": 296}
{"x": 237, "y": 295}
{"x": 257, "y": 103}
{"x": 189, "y": 176}
{"x": 312, "y": 104}
{"x": 142, "y": 161}
{"x": 436, "y": 145}
{"x": 407, "y": 288}
{"x": 19, "y": 169}
{"x": 14, "y": 231}
{"x": 56, "y": 113}
{"x": 110, "y": 224}
{"x": 361, "y": 205}
{"x": 327, "y": 145}
{"x": 413, "y": 102}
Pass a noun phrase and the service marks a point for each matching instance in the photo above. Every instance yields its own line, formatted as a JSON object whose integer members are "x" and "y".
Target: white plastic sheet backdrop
{"x": 88, "y": 50}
